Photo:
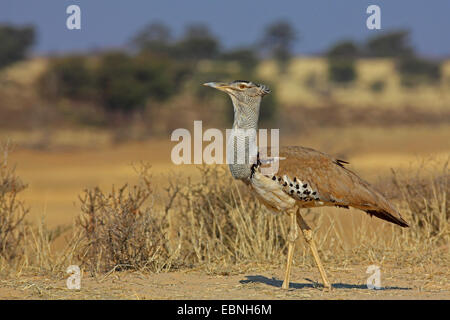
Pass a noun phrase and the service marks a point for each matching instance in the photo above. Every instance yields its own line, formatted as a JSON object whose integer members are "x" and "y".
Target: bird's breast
{"x": 271, "y": 194}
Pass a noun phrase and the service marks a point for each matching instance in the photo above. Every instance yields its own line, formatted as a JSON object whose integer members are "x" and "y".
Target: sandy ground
{"x": 255, "y": 283}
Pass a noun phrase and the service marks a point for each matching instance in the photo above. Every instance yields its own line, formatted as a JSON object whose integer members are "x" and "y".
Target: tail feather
{"x": 382, "y": 214}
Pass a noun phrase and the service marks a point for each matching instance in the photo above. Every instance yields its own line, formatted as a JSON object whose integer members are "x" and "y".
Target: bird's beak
{"x": 217, "y": 85}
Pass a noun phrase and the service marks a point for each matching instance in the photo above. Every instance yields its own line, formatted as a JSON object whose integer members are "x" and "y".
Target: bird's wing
{"x": 304, "y": 172}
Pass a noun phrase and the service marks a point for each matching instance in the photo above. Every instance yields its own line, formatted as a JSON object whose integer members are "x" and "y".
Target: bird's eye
{"x": 242, "y": 86}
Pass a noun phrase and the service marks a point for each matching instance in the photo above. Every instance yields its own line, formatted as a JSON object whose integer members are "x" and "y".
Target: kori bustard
{"x": 306, "y": 178}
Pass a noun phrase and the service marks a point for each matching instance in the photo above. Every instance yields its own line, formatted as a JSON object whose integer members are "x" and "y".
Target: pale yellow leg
{"x": 292, "y": 237}
{"x": 308, "y": 234}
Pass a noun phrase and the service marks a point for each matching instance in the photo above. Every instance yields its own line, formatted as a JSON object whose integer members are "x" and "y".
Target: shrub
{"x": 341, "y": 70}
{"x": 341, "y": 62}
{"x": 246, "y": 57}
{"x": 12, "y": 211}
{"x": 69, "y": 77}
{"x": 377, "y": 86}
{"x": 197, "y": 43}
{"x": 155, "y": 38}
{"x": 391, "y": 44}
{"x": 14, "y": 43}
{"x": 344, "y": 49}
{"x": 279, "y": 38}
{"x": 120, "y": 232}
{"x": 125, "y": 83}
{"x": 415, "y": 71}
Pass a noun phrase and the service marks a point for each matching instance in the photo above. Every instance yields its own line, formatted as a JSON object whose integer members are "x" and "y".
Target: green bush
{"x": 125, "y": 83}
{"x": 14, "y": 43}
{"x": 341, "y": 70}
{"x": 416, "y": 71}
{"x": 344, "y": 49}
{"x": 69, "y": 77}
{"x": 279, "y": 37}
{"x": 341, "y": 62}
{"x": 155, "y": 38}
{"x": 197, "y": 43}
{"x": 377, "y": 86}
{"x": 391, "y": 44}
{"x": 246, "y": 57}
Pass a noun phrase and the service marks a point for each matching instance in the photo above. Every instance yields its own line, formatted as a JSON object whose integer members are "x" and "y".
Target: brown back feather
{"x": 335, "y": 183}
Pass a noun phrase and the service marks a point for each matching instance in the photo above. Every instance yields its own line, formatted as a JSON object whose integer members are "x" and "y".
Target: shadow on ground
{"x": 311, "y": 284}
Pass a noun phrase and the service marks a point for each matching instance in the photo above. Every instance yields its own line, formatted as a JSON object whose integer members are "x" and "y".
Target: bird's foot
{"x": 327, "y": 287}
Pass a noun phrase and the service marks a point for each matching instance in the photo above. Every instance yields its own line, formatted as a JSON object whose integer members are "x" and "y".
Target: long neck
{"x": 245, "y": 117}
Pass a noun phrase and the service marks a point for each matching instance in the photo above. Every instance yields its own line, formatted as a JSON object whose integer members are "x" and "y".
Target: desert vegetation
{"x": 69, "y": 194}
{"x": 133, "y": 93}
{"x": 215, "y": 223}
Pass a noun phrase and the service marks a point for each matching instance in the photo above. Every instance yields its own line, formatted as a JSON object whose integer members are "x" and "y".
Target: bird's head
{"x": 243, "y": 91}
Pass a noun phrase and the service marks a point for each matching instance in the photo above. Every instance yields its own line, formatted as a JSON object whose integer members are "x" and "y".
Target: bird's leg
{"x": 292, "y": 236}
{"x": 308, "y": 234}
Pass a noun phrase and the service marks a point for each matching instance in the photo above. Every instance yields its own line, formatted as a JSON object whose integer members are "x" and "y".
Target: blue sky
{"x": 320, "y": 23}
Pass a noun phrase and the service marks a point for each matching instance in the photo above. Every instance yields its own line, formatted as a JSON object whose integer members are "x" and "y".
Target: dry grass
{"x": 306, "y": 84}
{"x": 216, "y": 224}
{"x": 426, "y": 199}
{"x": 121, "y": 230}
{"x": 22, "y": 245}
{"x": 12, "y": 210}
{"x": 217, "y": 220}
{"x": 213, "y": 223}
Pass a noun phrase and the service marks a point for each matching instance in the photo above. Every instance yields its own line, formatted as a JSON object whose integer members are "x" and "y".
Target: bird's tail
{"x": 383, "y": 214}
